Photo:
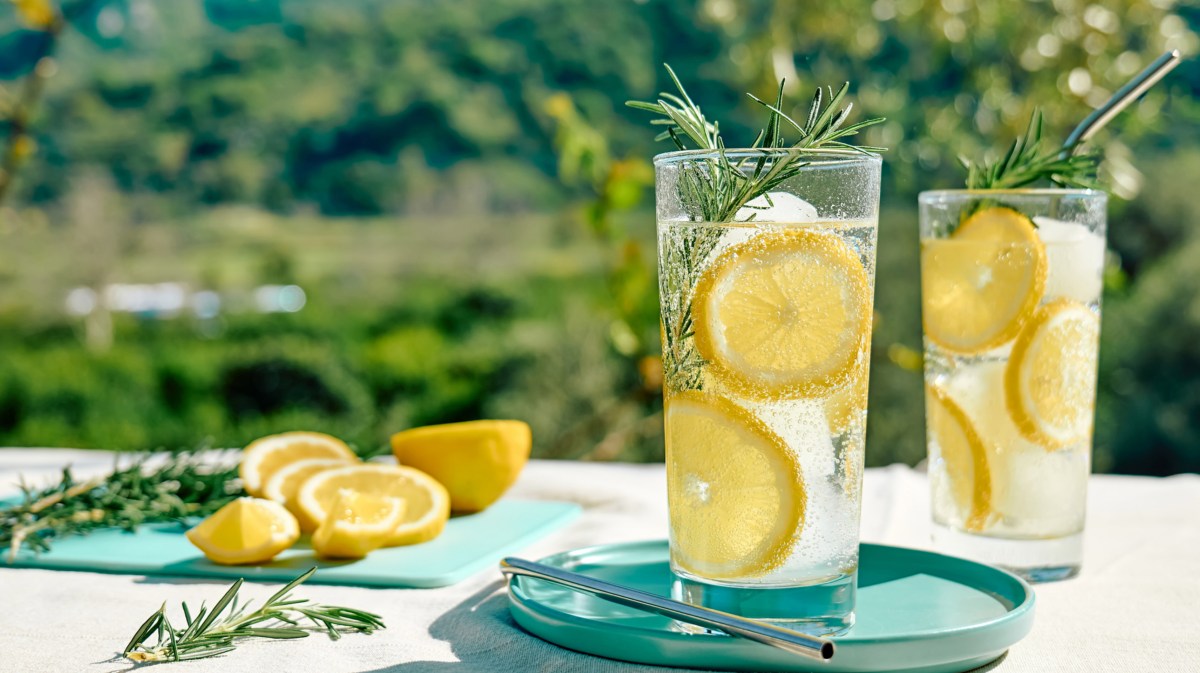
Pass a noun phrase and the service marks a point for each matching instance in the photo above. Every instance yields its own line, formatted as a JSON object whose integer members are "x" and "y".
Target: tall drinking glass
{"x": 1010, "y": 286}
{"x": 766, "y": 328}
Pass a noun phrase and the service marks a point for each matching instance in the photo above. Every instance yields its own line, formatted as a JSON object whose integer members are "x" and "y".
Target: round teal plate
{"x": 918, "y": 612}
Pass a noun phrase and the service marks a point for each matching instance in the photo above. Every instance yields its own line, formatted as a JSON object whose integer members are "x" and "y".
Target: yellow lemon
{"x": 285, "y": 483}
{"x": 476, "y": 461}
{"x": 784, "y": 314}
{"x": 265, "y": 456}
{"x": 247, "y": 530}
{"x": 736, "y": 493}
{"x": 358, "y": 523}
{"x": 980, "y": 285}
{"x": 1050, "y": 380}
{"x": 846, "y": 405}
{"x": 426, "y": 502}
{"x": 965, "y": 457}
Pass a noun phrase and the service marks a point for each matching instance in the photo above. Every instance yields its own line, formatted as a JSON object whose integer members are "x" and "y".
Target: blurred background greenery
{"x": 224, "y": 218}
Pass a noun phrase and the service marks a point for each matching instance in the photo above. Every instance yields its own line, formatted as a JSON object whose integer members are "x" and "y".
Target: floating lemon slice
{"x": 285, "y": 483}
{"x": 980, "y": 285}
{"x": 264, "y": 457}
{"x": 427, "y": 504}
{"x": 247, "y": 530}
{"x": 965, "y": 456}
{"x": 1050, "y": 381}
{"x": 847, "y": 405}
{"x": 736, "y": 494}
{"x": 784, "y": 314}
{"x": 476, "y": 461}
{"x": 358, "y": 523}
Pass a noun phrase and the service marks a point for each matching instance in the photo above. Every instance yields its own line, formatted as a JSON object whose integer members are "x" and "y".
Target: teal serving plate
{"x": 917, "y": 612}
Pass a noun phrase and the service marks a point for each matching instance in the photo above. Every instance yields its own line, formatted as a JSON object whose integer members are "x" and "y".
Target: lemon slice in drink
{"x": 981, "y": 284}
{"x": 358, "y": 523}
{"x": 267, "y": 455}
{"x": 784, "y": 314}
{"x": 247, "y": 530}
{"x": 427, "y": 504}
{"x": 965, "y": 456}
{"x": 736, "y": 494}
{"x": 1050, "y": 380}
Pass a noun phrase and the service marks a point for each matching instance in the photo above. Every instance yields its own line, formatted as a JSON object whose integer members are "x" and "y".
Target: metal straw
{"x": 1121, "y": 100}
{"x": 759, "y": 632}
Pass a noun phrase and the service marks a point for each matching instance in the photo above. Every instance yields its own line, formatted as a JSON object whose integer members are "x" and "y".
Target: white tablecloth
{"x": 1135, "y": 607}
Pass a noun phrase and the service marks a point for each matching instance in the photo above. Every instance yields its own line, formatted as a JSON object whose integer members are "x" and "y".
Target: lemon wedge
{"x": 965, "y": 457}
{"x": 358, "y": 523}
{"x": 1050, "y": 380}
{"x": 427, "y": 504}
{"x": 736, "y": 494}
{"x": 983, "y": 282}
{"x": 476, "y": 461}
{"x": 263, "y": 457}
{"x": 784, "y": 314}
{"x": 247, "y": 530}
{"x": 285, "y": 483}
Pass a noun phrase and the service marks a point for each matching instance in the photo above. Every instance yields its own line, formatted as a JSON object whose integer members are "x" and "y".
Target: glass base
{"x": 1048, "y": 560}
{"x": 824, "y": 609}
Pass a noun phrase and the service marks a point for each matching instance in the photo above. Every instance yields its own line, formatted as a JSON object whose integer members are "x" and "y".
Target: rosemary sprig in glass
{"x": 1027, "y": 163}
{"x": 210, "y": 633}
{"x": 181, "y": 486}
{"x": 720, "y": 186}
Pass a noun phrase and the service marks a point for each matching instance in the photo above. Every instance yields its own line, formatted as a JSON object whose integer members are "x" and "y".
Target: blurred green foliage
{"x": 468, "y": 205}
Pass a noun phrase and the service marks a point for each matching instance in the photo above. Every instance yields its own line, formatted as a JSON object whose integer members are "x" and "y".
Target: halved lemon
{"x": 736, "y": 493}
{"x": 267, "y": 455}
{"x": 965, "y": 456}
{"x": 784, "y": 314}
{"x": 983, "y": 282}
{"x": 358, "y": 523}
{"x": 427, "y": 504}
{"x": 1050, "y": 380}
{"x": 247, "y": 530}
{"x": 285, "y": 483}
{"x": 476, "y": 460}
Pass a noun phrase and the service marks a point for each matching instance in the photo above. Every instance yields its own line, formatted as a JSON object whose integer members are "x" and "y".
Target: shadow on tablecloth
{"x": 484, "y": 637}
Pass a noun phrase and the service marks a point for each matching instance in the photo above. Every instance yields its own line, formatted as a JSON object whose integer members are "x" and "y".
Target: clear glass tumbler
{"x": 766, "y": 329}
{"x": 1010, "y": 297}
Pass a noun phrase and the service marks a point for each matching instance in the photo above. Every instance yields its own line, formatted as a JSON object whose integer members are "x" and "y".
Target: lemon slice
{"x": 427, "y": 504}
{"x": 285, "y": 483}
{"x": 247, "y": 530}
{"x": 784, "y": 314}
{"x": 1050, "y": 381}
{"x": 846, "y": 406}
{"x": 263, "y": 457}
{"x": 980, "y": 285}
{"x": 476, "y": 461}
{"x": 358, "y": 523}
{"x": 736, "y": 494}
{"x": 965, "y": 457}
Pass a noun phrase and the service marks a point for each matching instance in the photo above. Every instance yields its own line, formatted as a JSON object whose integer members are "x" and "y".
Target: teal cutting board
{"x": 469, "y": 544}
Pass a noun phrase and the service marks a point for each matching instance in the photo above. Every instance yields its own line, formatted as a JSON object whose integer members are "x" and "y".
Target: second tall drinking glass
{"x": 766, "y": 325}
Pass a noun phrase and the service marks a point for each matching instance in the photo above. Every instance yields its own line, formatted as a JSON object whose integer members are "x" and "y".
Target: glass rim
{"x": 940, "y": 194}
{"x": 825, "y": 156}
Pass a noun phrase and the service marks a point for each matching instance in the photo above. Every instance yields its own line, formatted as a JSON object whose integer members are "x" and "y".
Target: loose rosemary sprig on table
{"x": 214, "y": 632}
{"x": 183, "y": 485}
{"x": 720, "y": 186}
{"x": 1027, "y": 163}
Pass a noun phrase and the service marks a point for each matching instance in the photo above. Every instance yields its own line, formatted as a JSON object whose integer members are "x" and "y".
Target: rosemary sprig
{"x": 720, "y": 186}
{"x": 181, "y": 486}
{"x": 210, "y": 633}
{"x": 1027, "y": 162}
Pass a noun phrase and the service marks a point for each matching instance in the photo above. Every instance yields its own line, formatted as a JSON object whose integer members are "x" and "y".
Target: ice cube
{"x": 780, "y": 207}
{"x": 1075, "y": 260}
